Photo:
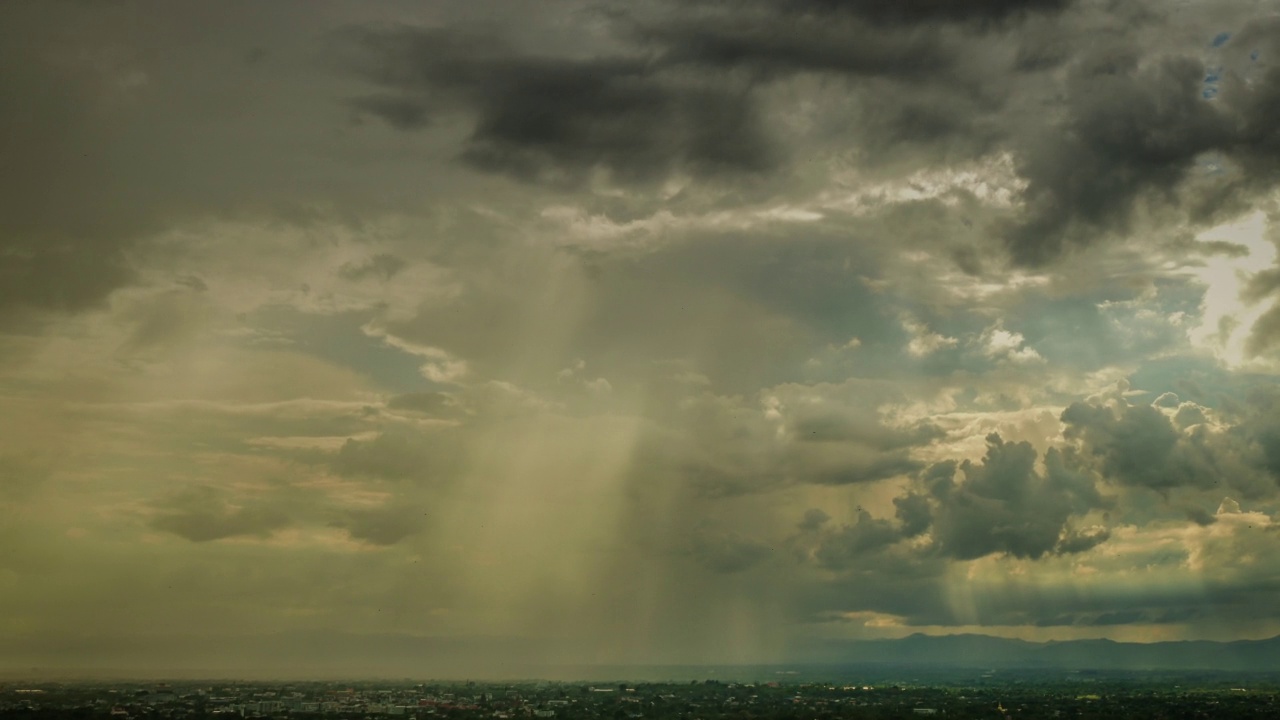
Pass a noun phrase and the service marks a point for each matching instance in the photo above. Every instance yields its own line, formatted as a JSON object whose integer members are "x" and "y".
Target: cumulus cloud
{"x": 1009, "y": 346}
{"x": 924, "y": 341}
{"x": 914, "y": 513}
{"x": 1142, "y": 446}
{"x": 843, "y": 548}
{"x": 1004, "y": 504}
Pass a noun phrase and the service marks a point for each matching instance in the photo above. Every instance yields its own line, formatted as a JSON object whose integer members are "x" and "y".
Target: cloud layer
{"x": 665, "y": 332}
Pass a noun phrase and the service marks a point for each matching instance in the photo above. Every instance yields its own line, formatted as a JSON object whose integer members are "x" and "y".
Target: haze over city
{"x": 454, "y": 336}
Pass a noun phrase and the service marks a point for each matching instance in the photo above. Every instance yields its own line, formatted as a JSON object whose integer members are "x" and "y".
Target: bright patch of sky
{"x": 1226, "y": 320}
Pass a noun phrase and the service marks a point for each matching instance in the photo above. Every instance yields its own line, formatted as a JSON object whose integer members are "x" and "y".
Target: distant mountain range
{"x": 316, "y": 655}
{"x": 983, "y": 651}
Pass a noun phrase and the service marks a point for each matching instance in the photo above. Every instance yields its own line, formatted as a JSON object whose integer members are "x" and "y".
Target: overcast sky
{"x": 463, "y": 332}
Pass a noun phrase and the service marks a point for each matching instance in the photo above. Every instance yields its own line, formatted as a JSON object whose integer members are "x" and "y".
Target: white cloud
{"x": 1003, "y": 344}
{"x": 924, "y": 341}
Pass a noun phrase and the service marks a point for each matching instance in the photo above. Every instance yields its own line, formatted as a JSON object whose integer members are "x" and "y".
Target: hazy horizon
{"x": 654, "y": 332}
{"x": 877, "y": 659}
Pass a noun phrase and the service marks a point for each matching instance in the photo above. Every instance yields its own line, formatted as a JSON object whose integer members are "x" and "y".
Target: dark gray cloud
{"x": 813, "y": 519}
{"x": 1261, "y": 285}
{"x": 1133, "y": 128}
{"x": 1005, "y": 505}
{"x": 888, "y": 86}
{"x": 684, "y": 97}
{"x": 1252, "y": 94}
{"x": 1134, "y": 443}
{"x": 844, "y": 547}
{"x": 889, "y": 580}
{"x": 1125, "y": 127}
{"x": 1141, "y": 446}
{"x": 1135, "y": 125}
{"x": 897, "y": 580}
{"x": 914, "y": 513}
{"x": 769, "y": 45}
{"x": 927, "y": 11}
{"x": 861, "y": 38}
{"x": 1265, "y": 333}
{"x": 1260, "y": 429}
{"x": 554, "y": 119}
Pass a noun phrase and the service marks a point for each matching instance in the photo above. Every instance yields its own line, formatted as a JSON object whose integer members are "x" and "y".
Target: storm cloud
{"x": 637, "y": 333}
{"x": 555, "y": 119}
{"x": 1005, "y": 505}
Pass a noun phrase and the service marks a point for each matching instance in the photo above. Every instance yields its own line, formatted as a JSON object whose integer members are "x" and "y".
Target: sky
{"x": 432, "y": 337}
